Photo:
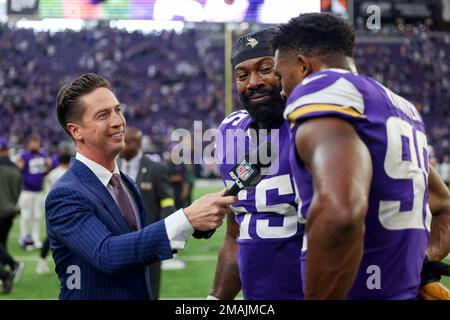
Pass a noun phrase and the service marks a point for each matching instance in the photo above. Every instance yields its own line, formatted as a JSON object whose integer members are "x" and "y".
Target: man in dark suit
{"x": 153, "y": 182}
{"x": 95, "y": 215}
{"x": 10, "y": 188}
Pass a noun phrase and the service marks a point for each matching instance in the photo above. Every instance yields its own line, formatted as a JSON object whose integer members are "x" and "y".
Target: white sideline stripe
{"x": 185, "y": 258}
{"x": 209, "y": 183}
{"x": 198, "y": 258}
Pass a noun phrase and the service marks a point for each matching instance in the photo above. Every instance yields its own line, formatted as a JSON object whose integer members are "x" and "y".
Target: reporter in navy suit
{"x": 95, "y": 213}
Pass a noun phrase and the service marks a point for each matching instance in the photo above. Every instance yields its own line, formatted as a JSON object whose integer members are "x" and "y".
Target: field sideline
{"x": 193, "y": 282}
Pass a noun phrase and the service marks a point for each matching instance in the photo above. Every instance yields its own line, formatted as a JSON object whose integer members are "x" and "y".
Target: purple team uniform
{"x": 34, "y": 171}
{"x": 398, "y": 218}
{"x": 270, "y": 236}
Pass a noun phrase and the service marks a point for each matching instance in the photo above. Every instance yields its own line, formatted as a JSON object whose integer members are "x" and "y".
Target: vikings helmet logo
{"x": 251, "y": 42}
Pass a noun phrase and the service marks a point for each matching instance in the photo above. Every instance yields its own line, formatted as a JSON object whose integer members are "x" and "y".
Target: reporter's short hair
{"x": 68, "y": 105}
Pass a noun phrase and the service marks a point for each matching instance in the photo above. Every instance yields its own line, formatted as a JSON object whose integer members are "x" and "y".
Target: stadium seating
{"x": 168, "y": 80}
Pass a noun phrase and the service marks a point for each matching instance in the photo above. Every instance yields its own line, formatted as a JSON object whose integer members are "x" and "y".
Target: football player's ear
{"x": 305, "y": 64}
{"x": 308, "y": 65}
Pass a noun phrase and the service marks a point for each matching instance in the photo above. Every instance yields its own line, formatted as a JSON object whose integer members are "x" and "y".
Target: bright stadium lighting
{"x": 167, "y": 10}
{"x": 53, "y": 25}
{"x": 2, "y": 10}
{"x": 280, "y": 11}
{"x": 147, "y": 26}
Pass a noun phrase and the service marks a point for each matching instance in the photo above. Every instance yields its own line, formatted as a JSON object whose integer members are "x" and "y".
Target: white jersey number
{"x": 414, "y": 169}
{"x": 263, "y": 229}
{"x": 36, "y": 165}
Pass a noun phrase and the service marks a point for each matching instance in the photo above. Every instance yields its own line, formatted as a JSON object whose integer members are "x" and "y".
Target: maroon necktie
{"x": 124, "y": 201}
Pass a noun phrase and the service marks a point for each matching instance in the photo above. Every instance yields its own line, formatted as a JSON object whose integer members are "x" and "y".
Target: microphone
{"x": 246, "y": 174}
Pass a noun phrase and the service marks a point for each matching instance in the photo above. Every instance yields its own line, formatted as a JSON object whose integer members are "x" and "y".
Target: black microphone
{"x": 246, "y": 174}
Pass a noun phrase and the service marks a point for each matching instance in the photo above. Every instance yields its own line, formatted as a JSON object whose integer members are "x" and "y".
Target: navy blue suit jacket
{"x": 96, "y": 254}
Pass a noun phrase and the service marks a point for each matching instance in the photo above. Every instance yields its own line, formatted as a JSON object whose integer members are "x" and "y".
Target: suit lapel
{"x": 93, "y": 184}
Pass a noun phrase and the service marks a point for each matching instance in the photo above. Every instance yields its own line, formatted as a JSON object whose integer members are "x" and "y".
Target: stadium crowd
{"x": 164, "y": 81}
{"x": 168, "y": 80}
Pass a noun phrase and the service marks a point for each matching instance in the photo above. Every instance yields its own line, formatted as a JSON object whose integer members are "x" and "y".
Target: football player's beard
{"x": 270, "y": 113}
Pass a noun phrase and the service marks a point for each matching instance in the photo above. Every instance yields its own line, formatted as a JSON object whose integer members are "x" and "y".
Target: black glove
{"x": 432, "y": 271}
{"x": 203, "y": 234}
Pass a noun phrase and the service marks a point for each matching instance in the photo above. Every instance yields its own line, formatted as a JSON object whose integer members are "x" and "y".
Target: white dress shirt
{"x": 177, "y": 225}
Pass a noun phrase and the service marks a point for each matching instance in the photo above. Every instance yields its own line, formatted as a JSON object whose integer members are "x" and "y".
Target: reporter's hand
{"x": 209, "y": 211}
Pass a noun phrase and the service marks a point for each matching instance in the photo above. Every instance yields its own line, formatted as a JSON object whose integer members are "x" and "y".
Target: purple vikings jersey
{"x": 398, "y": 218}
{"x": 34, "y": 170}
{"x": 270, "y": 237}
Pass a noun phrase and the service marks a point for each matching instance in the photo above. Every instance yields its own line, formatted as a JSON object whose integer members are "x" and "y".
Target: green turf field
{"x": 193, "y": 282}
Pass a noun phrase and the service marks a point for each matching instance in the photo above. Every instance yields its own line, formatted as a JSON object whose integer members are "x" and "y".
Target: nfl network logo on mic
{"x": 244, "y": 171}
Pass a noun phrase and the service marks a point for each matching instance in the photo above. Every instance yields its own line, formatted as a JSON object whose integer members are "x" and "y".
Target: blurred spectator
{"x": 179, "y": 180}
{"x": 66, "y": 150}
{"x": 10, "y": 187}
{"x": 190, "y": 177}
{"x": 34, "y": 165}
